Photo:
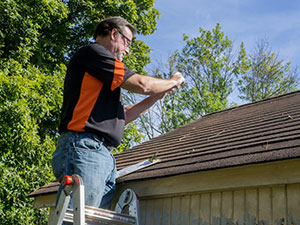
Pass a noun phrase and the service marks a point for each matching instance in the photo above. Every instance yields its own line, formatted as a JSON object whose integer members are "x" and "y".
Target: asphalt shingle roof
{"x": 263, "y": 131}
{"x": 258, "y": 132}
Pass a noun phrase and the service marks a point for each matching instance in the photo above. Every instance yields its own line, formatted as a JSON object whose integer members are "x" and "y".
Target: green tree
{"x": 209, "y": 65}
{"x": 267, "y": 75}
{"x": 37, "y": 38}
{"x": 34, "y": 31}
{"x": 45, "y": 32}
{"x": 29, "y": 107}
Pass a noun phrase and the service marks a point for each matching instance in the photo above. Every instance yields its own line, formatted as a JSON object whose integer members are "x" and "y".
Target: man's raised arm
{"x": 146, "y": 85}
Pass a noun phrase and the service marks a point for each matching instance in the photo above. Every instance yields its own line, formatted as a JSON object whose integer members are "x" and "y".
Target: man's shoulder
{"x": 97, "y": 49}
{"x": 93, "y": 51}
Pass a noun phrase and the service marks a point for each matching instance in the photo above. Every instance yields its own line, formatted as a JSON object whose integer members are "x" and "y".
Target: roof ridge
{"x": 256, "y": 102}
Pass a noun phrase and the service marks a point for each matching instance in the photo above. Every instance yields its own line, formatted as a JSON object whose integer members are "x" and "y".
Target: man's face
{"x": 123, "y": 42}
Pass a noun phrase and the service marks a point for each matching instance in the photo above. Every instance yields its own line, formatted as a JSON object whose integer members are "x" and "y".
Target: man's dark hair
{"x": 106, "y": 25}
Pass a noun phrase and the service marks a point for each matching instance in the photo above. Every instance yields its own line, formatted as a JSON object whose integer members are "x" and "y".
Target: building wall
{"x": 267, "y": 193}
{"x": 261, "y": 205}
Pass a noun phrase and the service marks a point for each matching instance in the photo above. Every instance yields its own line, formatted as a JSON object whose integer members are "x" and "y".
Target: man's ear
{"x": 114, "y": 34}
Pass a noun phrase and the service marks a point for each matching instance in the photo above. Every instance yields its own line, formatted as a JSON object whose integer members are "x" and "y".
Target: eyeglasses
{"x": 128, "y": 41}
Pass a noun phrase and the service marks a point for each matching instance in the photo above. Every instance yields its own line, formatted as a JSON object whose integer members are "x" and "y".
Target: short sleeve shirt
{"x": 92, "y": 94}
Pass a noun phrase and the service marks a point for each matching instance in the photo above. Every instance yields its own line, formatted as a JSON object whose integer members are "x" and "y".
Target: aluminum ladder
{"x": 126, "y": 210}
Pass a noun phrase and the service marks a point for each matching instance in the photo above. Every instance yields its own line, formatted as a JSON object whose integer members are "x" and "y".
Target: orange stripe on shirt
{"x": 119, "y": 73}
{"x": 89, "y": 92}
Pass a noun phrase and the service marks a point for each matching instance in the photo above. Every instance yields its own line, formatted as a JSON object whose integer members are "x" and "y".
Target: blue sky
{"x": 277, "y": 21}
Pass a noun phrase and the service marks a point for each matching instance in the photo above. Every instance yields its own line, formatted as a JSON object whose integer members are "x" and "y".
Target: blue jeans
{"x": 84, "y": 154}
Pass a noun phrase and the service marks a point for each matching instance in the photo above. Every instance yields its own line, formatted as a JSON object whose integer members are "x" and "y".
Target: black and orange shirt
{"x": 92, "y": 94}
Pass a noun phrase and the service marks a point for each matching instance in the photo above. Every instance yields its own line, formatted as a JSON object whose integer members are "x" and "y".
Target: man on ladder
{"x": 93, "y": 117}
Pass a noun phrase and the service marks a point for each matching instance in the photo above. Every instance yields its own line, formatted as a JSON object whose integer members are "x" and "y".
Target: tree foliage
{"x": 37, "y": 38}
{"x": 206, "y": 61}
{"x": 266, "y": 75}
{"x": 29, "y": 107}
{"x": 209, "y": 65}
{"x": 47, "y": 32}
{"x": 33, "y": 31}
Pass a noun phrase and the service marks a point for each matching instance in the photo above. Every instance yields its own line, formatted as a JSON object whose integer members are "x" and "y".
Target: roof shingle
{"x": 258, "y": 132}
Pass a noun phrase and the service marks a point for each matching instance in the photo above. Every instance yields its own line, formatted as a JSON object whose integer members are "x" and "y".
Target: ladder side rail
{"x": 78, "y": 201}
{"x": 136, "y": 207}
{"x": 61, "y": 207}
{"x": 129, "y": 199}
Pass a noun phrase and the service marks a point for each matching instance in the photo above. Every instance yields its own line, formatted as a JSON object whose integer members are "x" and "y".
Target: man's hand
{"x": 179, "y": 78}
{"x": 133, "y": 112}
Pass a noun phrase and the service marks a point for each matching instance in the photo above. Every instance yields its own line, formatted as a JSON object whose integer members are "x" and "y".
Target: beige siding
{"x": 195, "y": 209}
{"x": 238, "y": 205}
{"x": 251, "y": 201}
{"x": 176, "y": 210}
{"x": 279, "y": 210}
{"x": 259, "y": 194}
{"x": 227, "y": 204}
{"x": 166, "y": 215}
{"x": 205, "y": 207}
{"x": 293, "y": 203}
{"x": 264, "y": 205}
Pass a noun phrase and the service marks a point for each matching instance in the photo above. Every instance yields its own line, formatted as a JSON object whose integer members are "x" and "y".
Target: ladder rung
{"x": 101, "y": 216}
